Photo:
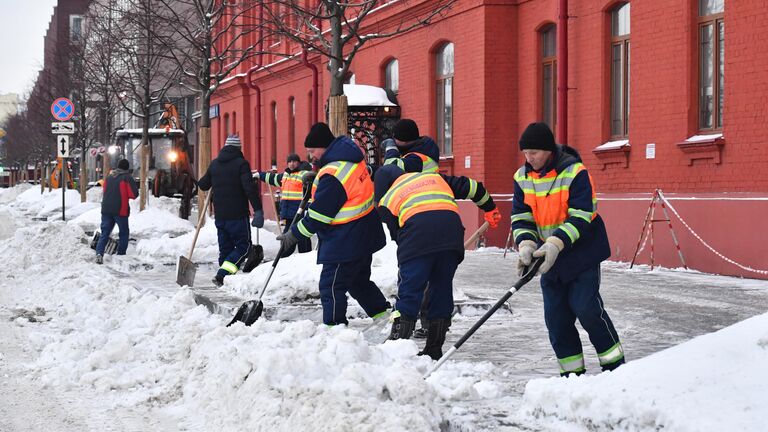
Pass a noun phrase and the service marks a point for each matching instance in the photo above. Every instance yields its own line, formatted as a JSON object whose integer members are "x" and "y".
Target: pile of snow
{"x": 683, "y": 388}
{"x": 102, "y": 331}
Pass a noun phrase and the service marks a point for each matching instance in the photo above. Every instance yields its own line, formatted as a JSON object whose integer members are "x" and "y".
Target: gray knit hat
{"x": 233, "y": 140}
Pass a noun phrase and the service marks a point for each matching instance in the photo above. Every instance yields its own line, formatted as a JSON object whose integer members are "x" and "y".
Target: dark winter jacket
{"x": 431, "y": 231}
{"x": 345, "y": 242}
{"x": 233, "y": 186}
{"x": 405, "y": 158}
{"x": 591, "y": 247}
{"x": 119, "y": 188}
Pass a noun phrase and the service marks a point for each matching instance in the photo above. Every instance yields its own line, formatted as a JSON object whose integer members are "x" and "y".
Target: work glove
{"x": 389, "y": 144}
{"x": 309, "y": 177}
{"x": 493, "y": 217}
{"x": 287, "y": 240}
{"x": 549, "y": 250}
{"x": 256, "y": 175}
{"x": 258, "y": 219}
{"x": 525, "y": 251}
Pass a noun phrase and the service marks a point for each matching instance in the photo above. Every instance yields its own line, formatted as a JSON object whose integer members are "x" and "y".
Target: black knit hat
{"x": 319, "y": 136}
{"x": 123, "y": 164}
{"x": 293, "y": 157}
{"x": 537, "y": 136}
{"x": 405, "y": 130}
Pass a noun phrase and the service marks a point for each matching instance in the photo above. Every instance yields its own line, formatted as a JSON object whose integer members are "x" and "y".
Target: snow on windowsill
{"x": 613, "y": 146}
{"x": 703, "y": 138}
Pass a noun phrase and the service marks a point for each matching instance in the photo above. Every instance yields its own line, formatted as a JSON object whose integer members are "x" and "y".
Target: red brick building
{"x": 663, "y": 94}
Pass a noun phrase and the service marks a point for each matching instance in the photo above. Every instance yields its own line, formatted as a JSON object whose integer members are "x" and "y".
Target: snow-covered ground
{"x": 120, "y": 347}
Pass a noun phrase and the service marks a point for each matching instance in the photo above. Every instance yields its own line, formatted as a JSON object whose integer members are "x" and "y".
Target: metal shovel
{"x": 185, "y": 268}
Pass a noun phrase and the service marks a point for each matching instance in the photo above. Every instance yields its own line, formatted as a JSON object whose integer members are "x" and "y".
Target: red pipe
{"x": 562, "y": 72}
{"x": 256, "y": 87}
{"x": 315, "y": 84}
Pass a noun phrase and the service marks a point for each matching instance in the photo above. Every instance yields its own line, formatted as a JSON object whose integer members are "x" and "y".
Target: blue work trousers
{"x": 234, "y": 243}
{"x": 579, "y": 298}
{"x": 353, "y": 277}
{"x": 107, "y": 225}
{"x": 434, "y": 271}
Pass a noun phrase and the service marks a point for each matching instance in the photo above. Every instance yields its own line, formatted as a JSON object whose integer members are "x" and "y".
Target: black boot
{"x": 436, "y": 338}
{"x": 402, "y": 328}
{"x": 421, "y": 333}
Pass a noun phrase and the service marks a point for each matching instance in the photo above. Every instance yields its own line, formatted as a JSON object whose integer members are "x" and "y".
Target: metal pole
{"x": 529, "y": 274}
{"x": 63, "y": 189}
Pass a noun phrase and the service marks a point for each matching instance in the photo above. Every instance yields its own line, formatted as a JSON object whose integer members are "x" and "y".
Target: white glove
{"x": 256, "y": 175}
{"x": 525, "y": 255}
{"x": 389, "y": 144}
{"x": 549, "y": 250}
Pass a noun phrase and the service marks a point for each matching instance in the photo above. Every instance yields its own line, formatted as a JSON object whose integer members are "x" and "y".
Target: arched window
{"x": 711, "y": 63}
{"x": 444, "y": 104}
{"x": 549, "y": 75}
{"x": 226, "y": 126}
{"x": 234, "y": 122}
{"x": 273, "y": 155}
{"x": 620, "y": 71}
{"x": 392, "y": 76}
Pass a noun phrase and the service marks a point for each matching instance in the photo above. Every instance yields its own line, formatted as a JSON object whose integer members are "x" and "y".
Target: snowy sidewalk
{"x": 123, "y": 341}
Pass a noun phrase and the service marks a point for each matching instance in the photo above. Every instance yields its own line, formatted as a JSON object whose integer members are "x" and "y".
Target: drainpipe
{"x": 562, "y": 72}
{"x": 257, "y": 94}
{"x": 257, "y": 90}
{"x": 305, "y": 60}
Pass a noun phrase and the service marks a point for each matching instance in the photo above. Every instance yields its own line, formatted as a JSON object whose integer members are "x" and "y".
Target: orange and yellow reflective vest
{"x": 427, "y": 163}
{"x": 547, "y": 197}
{"x": 415, "y": 193}
{"x": 356, "y": 180}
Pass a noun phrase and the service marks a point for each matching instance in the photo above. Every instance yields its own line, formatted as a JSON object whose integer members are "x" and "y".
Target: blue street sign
{"x": 62, "y": 109}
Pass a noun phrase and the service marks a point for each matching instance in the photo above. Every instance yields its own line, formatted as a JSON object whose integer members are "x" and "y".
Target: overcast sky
{"x": 23, "y": 27}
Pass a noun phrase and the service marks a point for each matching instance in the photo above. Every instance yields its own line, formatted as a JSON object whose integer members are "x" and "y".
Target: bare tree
{"x": 210, "y": 39}
{"x": 99, "y": 49}
{"x": 338, "y": 30}
{"x": 143, "y": 70}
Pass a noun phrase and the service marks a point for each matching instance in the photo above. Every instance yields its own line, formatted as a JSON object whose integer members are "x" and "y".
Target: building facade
{"x": 661, "y": 95}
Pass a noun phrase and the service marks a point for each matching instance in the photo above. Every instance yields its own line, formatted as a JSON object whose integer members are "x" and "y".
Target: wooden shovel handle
{"x": 473, "y": 238}
{"x": 200, "y": 219}
{"x": 274, "y": 208}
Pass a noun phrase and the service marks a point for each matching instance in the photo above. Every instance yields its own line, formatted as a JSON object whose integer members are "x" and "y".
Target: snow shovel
{"x": 255, "y": 255}
{"x": 524, "y": 279}
{"x": 185, "y": 268}
{"x": 473, "y": 238}
{"x": 251, "y": 310}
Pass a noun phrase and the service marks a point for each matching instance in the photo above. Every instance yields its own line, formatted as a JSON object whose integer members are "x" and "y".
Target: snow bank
{"x": 100, "y": 331}
{"x": 680, "y": 389}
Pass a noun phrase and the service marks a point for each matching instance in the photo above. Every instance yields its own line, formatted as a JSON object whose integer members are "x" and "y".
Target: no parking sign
{"x": 62, "y": 109}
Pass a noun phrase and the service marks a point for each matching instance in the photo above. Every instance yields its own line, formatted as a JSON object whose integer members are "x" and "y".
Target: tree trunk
{"x": 204, "y": 159}
{"x": 42, "y": 177}
{"x": 144, "y": 172}
{"x": 337, "y": 115}
{"x": 83, "y": 176}
{"x": 105, "y": 166}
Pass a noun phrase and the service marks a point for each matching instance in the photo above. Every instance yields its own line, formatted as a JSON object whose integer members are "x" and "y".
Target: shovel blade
{"x": 185, "y": 272}
{"x": 255, "y": 257}
{"x": 248, "y": 312}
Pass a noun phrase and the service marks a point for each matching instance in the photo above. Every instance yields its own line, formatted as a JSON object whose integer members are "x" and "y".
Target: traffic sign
{"x": 63, "y": 144}
{"x": 62, "y": 109}
{"x": 58, "y": 128}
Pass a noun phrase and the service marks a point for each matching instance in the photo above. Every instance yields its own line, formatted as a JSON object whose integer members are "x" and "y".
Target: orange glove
{"x": 493, "y": 217}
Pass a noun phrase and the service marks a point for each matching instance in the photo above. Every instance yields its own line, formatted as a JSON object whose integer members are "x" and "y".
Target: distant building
{"x": 9, "y": 105}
